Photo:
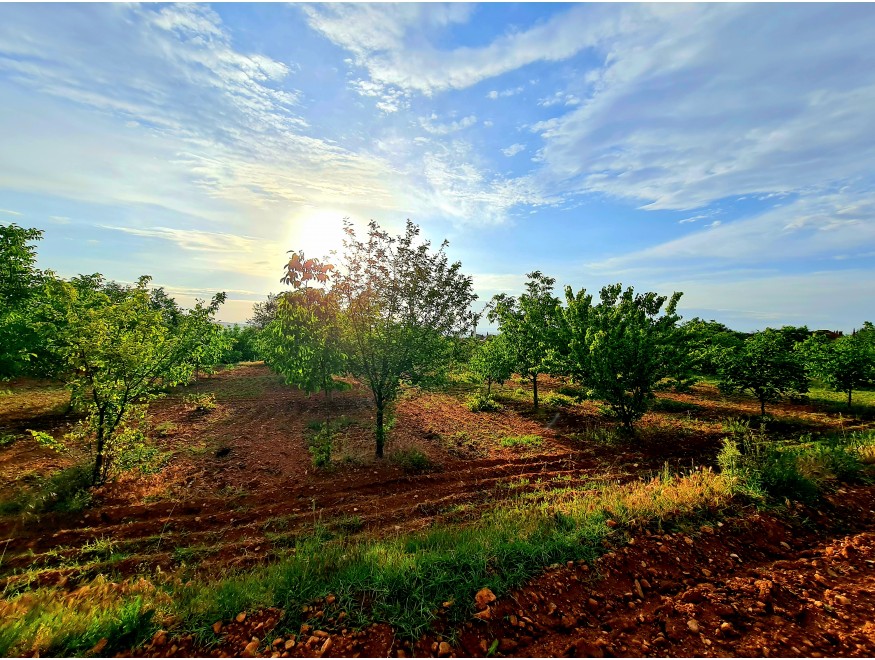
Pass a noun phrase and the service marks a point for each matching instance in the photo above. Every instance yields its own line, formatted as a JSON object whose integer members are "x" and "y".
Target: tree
{"x": 844, "y": 364}
{"x": 303, "y": 341}
{"x": 623, "y": 346}
{"x": 401, "y": 304}
{"x": 764, "y": 365}
{"x": 241, "y": 344}
{"x": 264, "y": 312}
{"x": 19, "y": 287}
{"x": 706, "y": 341}
{"x": 530, "y": 325}
{"x": 120, "y": 352}
{"x": 492, "y": 361}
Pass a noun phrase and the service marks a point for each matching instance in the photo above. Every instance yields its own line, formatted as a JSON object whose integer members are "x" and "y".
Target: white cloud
{"x": 810, "y": 227}
{"x": 513, "y": 149}
{"x": 701, "y": 102}
{"x": 394, "y": 42}
{"x": 430, "y": 124}
{"x": 494, "y": 94}
{"x": 8, "y": 212}
{"x": 559, "y": 98}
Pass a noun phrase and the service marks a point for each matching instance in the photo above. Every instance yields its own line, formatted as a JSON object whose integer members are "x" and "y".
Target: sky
{"x": 725, "y": 151}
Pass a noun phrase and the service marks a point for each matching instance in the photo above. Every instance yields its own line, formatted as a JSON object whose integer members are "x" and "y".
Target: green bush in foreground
{"x": 764, "y": 469}
{"x": 482, "y": 403}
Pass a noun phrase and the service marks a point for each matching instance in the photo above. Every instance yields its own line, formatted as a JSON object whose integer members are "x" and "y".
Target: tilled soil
{"x": 756, "y": 585}
{"x": 241, "y": 486}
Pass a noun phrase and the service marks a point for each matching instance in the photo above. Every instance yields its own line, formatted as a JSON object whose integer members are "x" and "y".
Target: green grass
{"x": 412, "y": 461}
{"x": 66, "y": 491}
{"x": 558, "y": 400}
{"x": 767, "y": 470}
{"x": 403, "y": 580}
{"x": 522, "y": 441}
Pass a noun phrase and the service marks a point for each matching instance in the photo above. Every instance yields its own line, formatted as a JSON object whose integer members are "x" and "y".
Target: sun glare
{"x": 317, "y": 233}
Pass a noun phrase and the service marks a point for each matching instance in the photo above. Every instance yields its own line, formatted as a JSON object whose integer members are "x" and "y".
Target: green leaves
{"x": 844, "y": 364}
{"x": 765, "y": 365}
{"x": 622, "y": 346}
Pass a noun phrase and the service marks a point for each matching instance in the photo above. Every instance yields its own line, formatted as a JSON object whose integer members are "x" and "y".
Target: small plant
{"x": 524, "y": 441}
{"x": 101, "y": 548}
{"x": 482, "y": 403}
{"x": 412, "y": 461}
{"x": 201, "y": 403}
{"x": 48, "y": 441}
{"x": 6, "y": 439}
{"x": 557, "y": 400}
{"x": 320, "y": 445}
{"x": 349, "y": 524}
{"x": 575, "y": 392}
{"x": 165, "y": 428}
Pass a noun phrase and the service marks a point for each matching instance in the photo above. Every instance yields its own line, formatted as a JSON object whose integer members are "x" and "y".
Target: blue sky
{"x": 726, "y": 151}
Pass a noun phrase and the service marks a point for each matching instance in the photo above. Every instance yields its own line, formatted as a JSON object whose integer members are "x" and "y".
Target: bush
{"x": 412, "y": 461}
{"x": 200, "y": 402}
{"x": 320, "y": 445}
{"x": 66, "y": 491}
{"x": 482, "y": 403}
{"x": 574, "y": 391}
{"x": 522, "y": 441}
{"x": 558, "y": 400}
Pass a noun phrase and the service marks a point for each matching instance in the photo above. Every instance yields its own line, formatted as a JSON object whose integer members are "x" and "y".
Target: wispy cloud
{"x": 431, "y": 125}
{"x": 8, "y": 212}
{"x": 513, "y": 150}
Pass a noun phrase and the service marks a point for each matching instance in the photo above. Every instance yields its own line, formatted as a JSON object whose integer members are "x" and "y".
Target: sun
{"x": 317, "y": 232}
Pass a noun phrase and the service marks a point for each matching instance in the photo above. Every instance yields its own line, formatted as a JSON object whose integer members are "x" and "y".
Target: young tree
{"x": 706, "y": 341}
{"x": 303, "y": 341}
{"x": 120, "y": 352}
{"x": 492, "y": 361}
{"x": 401, "y": 304}
{"x": 264, "y": 312}
{"x": 764, "y": 365}
{"x": 530, "y": 326}
{"x": 19, "y": 286}
{"x": 623, "y": 346}
{"x": 844, "y": 364}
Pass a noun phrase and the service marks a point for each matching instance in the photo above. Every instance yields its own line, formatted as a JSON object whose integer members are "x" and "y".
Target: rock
{"x": 289, "y": 645}
{"x": 444, "y": 649}
{"x": 484, "y": 615}
{"x": 251, "y": 649}
{"x": 330, "y": 599}
{"x": 726, "y": 628}
{"x": 645, "y": 583}
{"x": 585, "y": 649}
{"x": 400, "y": 653}
{"x": 326, "y": 647}
{"x": 277, "y": 641}
{"x": 217, "y": 627}
{"x": 484, "y": 646}
{"x": 320, "y": 633}
{"x": 506, "y": 644}
{"x": 693, "y": 625}
{"x": 447, "y": 604}
{"x": 159, "y": 638}
{"x": 705, "y": 572}
{"x": 785, "y": 545}
{"x": 551, "y": 608}
{"x": 97, "y": 648}
{"x": 483, "y": 598}
{"x": 593, "y": 603}
{"x": 611, "y": 523}
{"x": 313, "y": 641}
{"x": 240, "y": 618}
{"x": 843, "y": 600}
{"x": 513, "y": 620}
{"x": 569, "y": 621}
{"x": 638, "y": 589}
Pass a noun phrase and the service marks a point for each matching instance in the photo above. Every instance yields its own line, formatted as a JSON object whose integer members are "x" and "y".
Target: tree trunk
{"x": 849, "y": 399}
{"x": 535, "y": 391}
{"x": 488, "y": 388}
{"x": 763, "y": 407}
{"x": 98, "y": 457}
{"x": 380, "y": 432}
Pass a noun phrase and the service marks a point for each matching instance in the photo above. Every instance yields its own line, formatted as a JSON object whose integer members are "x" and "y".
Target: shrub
{"x": 558, "y": 400}
{"x": 412, "y": 461}
{"x": 482, "y": 403}
{"x": 66, "y": 491}
{"x": 574, "y": 391}
{"x": 320, "y": 445}
{"x": 522, "y": 441}
{"x": 200, "y": 402}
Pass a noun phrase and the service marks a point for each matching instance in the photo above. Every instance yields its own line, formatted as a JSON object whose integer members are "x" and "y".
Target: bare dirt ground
{"x": 240, "y": 484}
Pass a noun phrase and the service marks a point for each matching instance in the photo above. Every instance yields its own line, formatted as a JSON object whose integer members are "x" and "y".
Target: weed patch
{"x": 523, "y": 441}
{"x": 412, "y": 461}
